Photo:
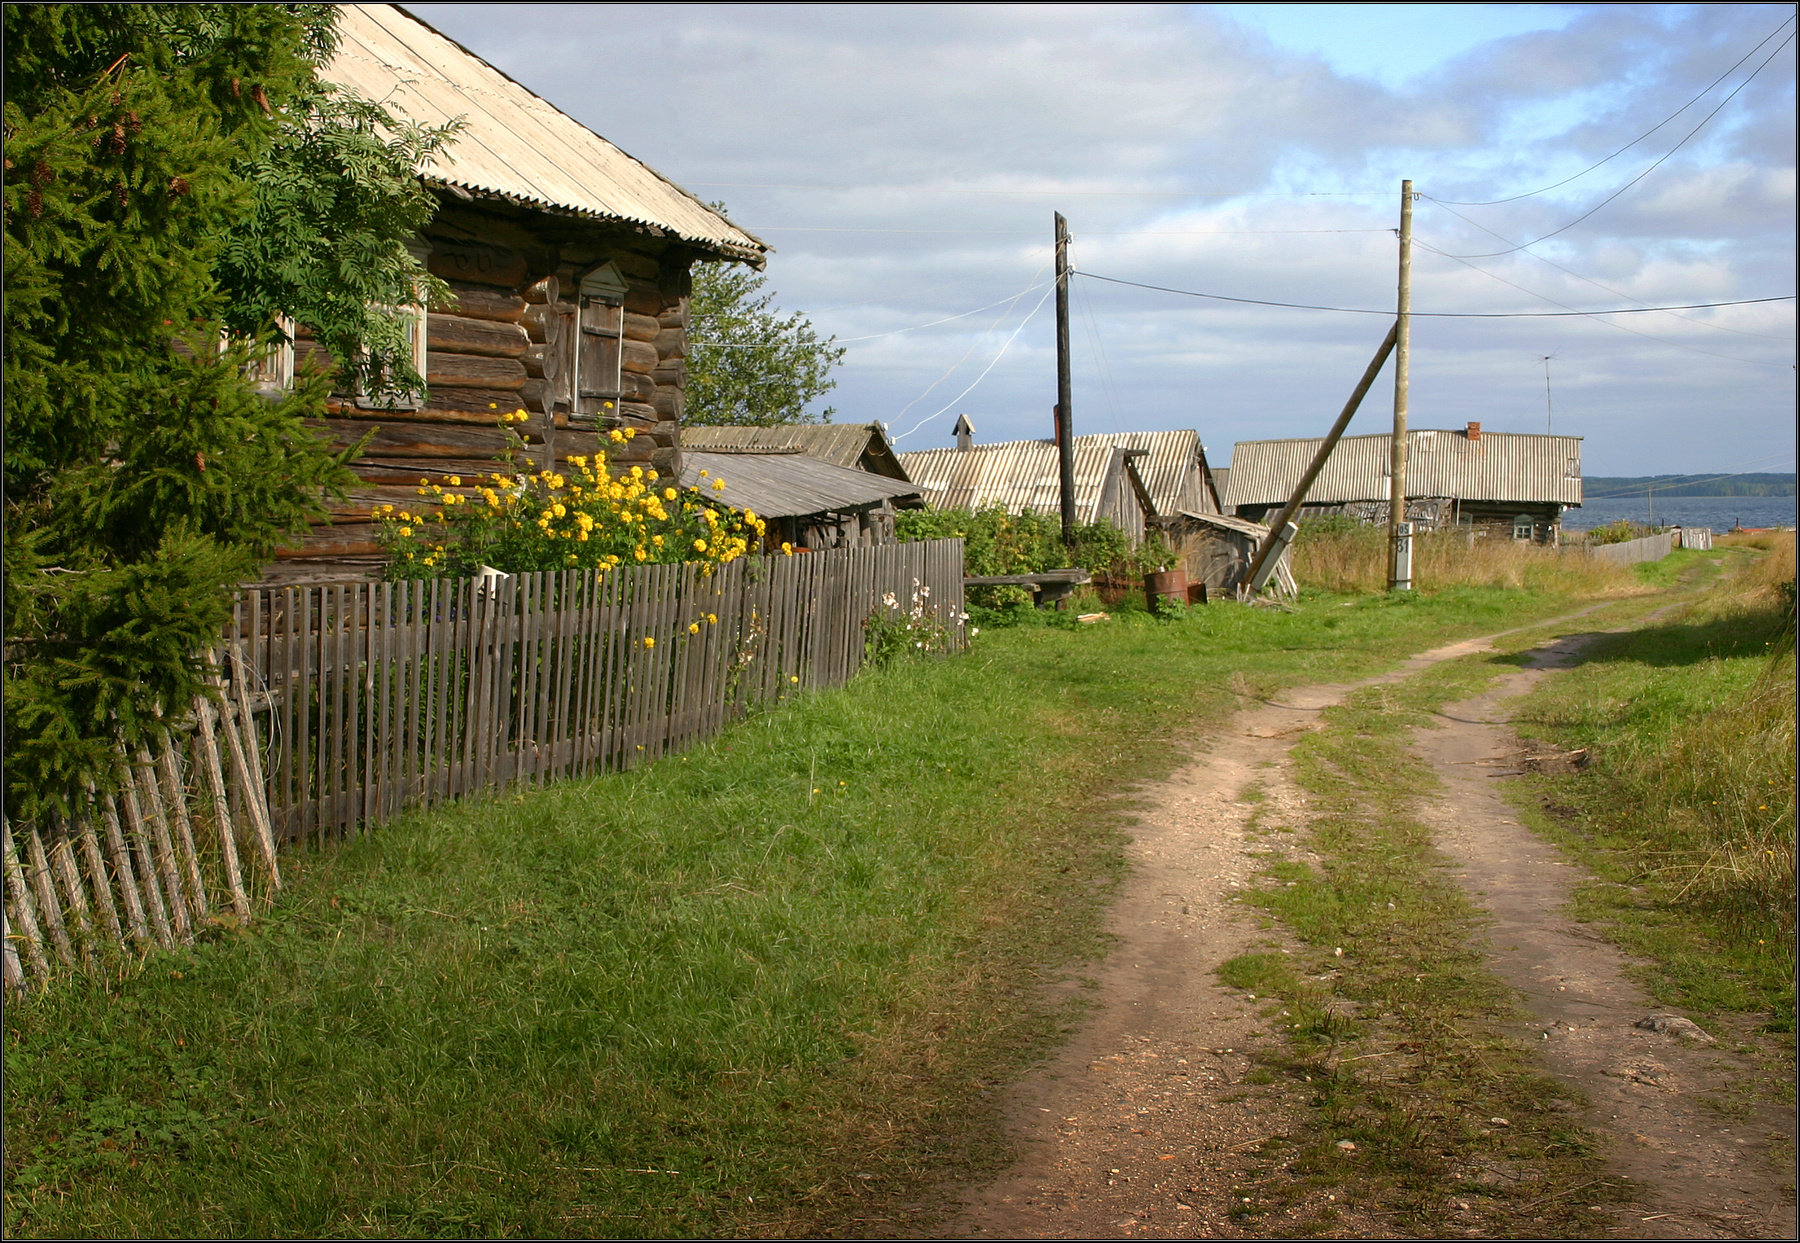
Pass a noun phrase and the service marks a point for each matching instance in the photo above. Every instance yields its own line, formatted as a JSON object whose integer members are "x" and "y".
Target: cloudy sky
{"x": 905, "y": 163}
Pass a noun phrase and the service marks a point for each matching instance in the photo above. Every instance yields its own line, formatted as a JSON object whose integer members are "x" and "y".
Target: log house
{"x": 569, "y": 263}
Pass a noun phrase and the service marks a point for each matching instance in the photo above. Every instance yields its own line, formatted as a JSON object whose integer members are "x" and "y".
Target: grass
{"x": 1391, "y": 1008}
{"x": 1336, "y": 554}
{"x": 763, "y": 988}
{"x": 1686, "y": 814}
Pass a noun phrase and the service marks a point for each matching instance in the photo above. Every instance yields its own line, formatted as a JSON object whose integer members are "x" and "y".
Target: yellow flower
{"x": 712, "y": 619}
{"x": 668, "y": 494}
{"x": 649, "y": 642}
{"x": 749, "y": 515}
{"x": 637, "y": 472}
{"x": 718, "y": 485}
{"x": 560, "y": 510}
{"x": 456, "y": 481}
{"x": 795, "y": 678}
{"x": 639, "y": 553}
{"x": 493, "y": 405}
{"x": 699, "y": 545}
{"x": 657, "y": 540}
{"x": 582, "y": 537}
{"x": 630, "y": 432}
{"x": 387, "y": 509}
{"x": 787, "y": 548}
{"x": 704, "y": 474}
{"x": 405, "y": 530}
{"x": 693, "y": 627}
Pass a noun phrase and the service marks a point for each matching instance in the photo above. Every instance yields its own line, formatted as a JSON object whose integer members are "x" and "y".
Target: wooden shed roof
{"x": 786, "y": 484}
{"x": 855, "y": 446}
{"x": 1017, "y": 474}
{"x": 515, "y": 146}
{"x": 1173, "y": 467}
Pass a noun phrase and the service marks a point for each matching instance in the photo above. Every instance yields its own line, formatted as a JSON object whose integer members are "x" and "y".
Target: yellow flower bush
{"x": 517, "y": 520}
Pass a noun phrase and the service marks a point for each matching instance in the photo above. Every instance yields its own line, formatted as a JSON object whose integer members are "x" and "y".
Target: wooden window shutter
{"x": 600, "y": 325}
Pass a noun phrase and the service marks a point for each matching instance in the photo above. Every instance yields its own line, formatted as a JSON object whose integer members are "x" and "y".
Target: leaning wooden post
{"x": 23, "y": 905}
{"x": 206, "y": 751}
{"x": 1298, "y": 499}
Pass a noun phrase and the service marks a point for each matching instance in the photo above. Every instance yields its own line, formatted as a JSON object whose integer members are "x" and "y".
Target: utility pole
{"x": 1065, "y": 438}
{"x": 1399, "y": 530}
{"x": 1547, "y": 358}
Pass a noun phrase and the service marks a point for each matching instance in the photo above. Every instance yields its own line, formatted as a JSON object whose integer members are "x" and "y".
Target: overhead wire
{"x": 1352, "y": 310}
{"x": 1596, "y": 315}
{"x": 720, "y": 345}
{"x": 984, "y": 371}
{"x": 801, "y": 228}
{"x": 1672, "y": 150}
{"x": 1150, "y": 194}
{"x": 1635, "y": 141}
{"x": 1607, "y": 288}
{"x": 1101, "y": 363}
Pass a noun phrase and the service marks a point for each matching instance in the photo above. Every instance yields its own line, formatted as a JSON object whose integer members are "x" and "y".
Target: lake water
{"x": 1721, "y": 513}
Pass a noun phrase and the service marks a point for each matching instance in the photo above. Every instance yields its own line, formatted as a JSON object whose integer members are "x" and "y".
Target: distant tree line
{"x": 1607, "y": 487}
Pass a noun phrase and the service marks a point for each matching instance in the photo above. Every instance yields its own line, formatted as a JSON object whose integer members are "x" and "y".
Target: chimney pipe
{"x": 1474, "y": 431}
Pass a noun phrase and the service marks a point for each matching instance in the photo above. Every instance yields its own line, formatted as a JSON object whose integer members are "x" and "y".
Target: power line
{"x": 1596, "y": 314}
{"x": 1596, "y": 284}
{"x": 1352, "y": 310}
{"x": 984, "y": 371}
{"x": 802, "y": 228}
{"x": 1616, "y": 193}
{"x": 1635, "y": 141}
{"x": 1149, "y": 194}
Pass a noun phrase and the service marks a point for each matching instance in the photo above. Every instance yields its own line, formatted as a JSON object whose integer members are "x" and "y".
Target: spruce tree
{"x": 171, "y": 171}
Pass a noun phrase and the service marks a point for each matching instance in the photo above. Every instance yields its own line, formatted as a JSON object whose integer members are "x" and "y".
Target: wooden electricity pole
{"x": 1399, "y": 575}
{"x": 1065, "y": 438}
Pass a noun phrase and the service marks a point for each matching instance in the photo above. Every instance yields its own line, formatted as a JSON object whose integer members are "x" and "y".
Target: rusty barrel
{"x": 1170, "y": 583}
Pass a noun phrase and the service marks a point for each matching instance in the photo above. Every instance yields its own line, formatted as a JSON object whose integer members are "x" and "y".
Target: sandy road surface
{"x": 1143, "y": 1125}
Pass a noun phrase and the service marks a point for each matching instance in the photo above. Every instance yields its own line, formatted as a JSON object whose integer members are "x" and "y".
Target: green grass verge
{"x": 763, "y": 988}
{"x": 1685, "y": 816}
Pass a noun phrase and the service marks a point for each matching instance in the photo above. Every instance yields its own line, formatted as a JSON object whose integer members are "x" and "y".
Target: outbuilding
{"x": 1023, "y": 475}
{"x": 807, "y": 503}
{"x": 1508, "y": 483}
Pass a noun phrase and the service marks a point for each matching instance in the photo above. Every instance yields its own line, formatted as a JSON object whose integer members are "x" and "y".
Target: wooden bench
{"x": 1051, "y": 586}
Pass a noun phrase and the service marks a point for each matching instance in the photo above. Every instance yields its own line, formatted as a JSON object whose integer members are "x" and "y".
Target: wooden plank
{"x": 206, "y": 753}
{"x": 97, "y": 874}
{"x": 68, "y": 878}
{"x": 24, "y": 907}
{"x": 382, "y": 659}
{"x": 174, "y": 791}
{"x": 119, "y": 855}
{"x": 309, "y": 703}
{"x": 163, "y": 850}
{"x": 143, "y": 857}
{"x": 38, "y": 870}
{"x": 258, "y": 808}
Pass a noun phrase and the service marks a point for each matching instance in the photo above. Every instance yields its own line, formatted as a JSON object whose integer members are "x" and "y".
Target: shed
{"x": 856, "y": 446}
{"x": 1173, "y": 468}
{"x": 1467, "y": 477}
{"x": 570, "y": 264}
{"x": 1217, "y": 549}
{"x": 807, "y": 503}
{"x": 1022, "y": 475}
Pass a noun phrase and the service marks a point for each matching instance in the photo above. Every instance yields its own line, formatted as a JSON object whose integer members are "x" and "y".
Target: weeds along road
{"x": 1345, "y": 999}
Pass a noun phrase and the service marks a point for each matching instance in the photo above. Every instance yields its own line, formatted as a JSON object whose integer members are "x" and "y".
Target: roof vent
{"x": 965, "y": 432}
{"x": 1474, "y": 431}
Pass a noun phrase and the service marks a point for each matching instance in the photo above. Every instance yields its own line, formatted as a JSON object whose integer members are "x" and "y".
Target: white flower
{"x": 974, "y": 630}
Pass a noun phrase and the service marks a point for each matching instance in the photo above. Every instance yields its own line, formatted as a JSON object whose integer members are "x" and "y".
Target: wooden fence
{"x": 343, "y": 703}
{"x": 372, "y": 697}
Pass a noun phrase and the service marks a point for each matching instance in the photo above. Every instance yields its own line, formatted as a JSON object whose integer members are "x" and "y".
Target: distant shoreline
{"x": 1696, "y": 487}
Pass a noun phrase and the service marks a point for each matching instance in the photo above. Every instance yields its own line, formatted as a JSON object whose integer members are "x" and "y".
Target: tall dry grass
{"x": 1334, "y": 555}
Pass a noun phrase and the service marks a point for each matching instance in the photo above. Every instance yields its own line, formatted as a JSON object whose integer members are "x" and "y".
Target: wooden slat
{"x": 119, "y": 855}
{"x": 97, "y": 874}
{"x": 174, "y": 792}
{"x": 162, "y": 848}
{"x": 44, "y": 889}
{"x": 24, "y": 906}
{"x": 67, "y": 877}
{"x": 206, "y": 753}
{"x": 143, "y": 857}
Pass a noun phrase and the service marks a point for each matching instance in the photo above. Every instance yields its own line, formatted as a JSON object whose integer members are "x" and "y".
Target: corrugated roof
{"x": 1173, "y": 468}
{"x": 1500, "y": 466}
{"x": 515, "y": 145}
{"x": 786, "y": 485}
{"x": 1018, "y": 474}
{"x": 841, "y": 444}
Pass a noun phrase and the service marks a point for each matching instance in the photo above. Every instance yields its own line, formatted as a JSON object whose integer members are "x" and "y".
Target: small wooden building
{"x": 1025, "y": 475}
{"x": 807, "y": 503}
{"x": 854, "y": 446}
{"x": 1517, "y": 485}
{"x": 569, "y": 260}
{"x": 1173, "y": 468}
{"x": 1217, "y": 549}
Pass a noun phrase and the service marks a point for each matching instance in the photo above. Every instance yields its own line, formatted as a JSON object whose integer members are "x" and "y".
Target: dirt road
{"x": 1153, "y": 1121}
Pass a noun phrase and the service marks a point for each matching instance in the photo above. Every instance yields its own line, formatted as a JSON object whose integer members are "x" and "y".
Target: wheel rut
{"x": 1144, "y": 1124}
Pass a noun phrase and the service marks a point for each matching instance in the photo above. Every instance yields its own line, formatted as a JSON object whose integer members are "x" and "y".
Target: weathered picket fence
{"x": 150, "y": 863}
{"x": 343, "y": 703}
{"x": 372, "y": 697}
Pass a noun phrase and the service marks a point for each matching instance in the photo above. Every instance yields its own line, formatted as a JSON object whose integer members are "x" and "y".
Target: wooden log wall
{"x": 373, "y": 697}
{"x": 506, "y": 344}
